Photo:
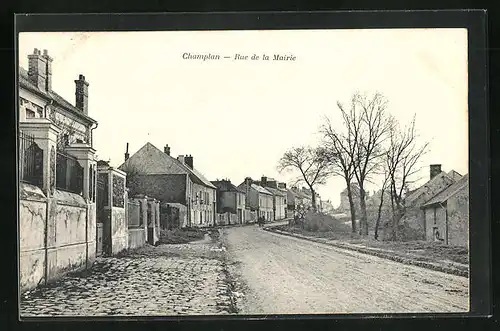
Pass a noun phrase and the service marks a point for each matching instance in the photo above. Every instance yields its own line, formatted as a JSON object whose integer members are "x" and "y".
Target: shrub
{"x": 318, "y": 222}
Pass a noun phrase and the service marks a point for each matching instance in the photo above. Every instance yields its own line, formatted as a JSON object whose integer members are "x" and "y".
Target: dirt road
{"x": 280, "y": 274}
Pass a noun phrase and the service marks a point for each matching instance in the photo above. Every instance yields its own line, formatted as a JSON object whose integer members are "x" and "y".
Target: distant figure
{"x": 260, "y": 221}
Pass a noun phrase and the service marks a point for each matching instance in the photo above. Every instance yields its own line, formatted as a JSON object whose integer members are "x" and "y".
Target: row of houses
{"x": 189, "y": 199}
{"x": 435, "y": 211}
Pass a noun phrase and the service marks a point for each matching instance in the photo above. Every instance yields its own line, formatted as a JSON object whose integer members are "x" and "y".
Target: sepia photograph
{"x": 243, "y": 172}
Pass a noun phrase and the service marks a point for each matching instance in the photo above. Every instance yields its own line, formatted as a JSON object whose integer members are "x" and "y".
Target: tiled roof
{"x": 275, "y": 191}
{"x": 449, "y": 191}
{"x": 416, "y": 193}
{"x": 260, "y": 189}
{"x": 149, "y": 160}
{"x": 25, "y": 82}
{"x": 226, "y": 186}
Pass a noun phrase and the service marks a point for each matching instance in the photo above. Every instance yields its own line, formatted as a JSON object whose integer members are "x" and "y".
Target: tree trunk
{"x": 363, "y": 223}
{"x": 377, "y": 223}
{"x": 352, "y": 207}
{"x": 313, "y": 199}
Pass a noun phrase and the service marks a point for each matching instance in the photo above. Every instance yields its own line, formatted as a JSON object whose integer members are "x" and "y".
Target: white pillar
{"x": 45, "y": 134}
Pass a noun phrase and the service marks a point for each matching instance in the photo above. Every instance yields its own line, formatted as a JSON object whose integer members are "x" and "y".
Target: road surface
{"x": 280, "y": 274}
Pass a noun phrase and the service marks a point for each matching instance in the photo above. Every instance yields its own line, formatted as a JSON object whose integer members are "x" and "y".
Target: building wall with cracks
{"x": 55, "y": 235}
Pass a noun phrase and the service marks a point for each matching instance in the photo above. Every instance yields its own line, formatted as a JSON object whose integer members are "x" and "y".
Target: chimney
{"x": 272, "y": 183}
{"x": 82, "y": 94}
{"x": 37, "y": 69}
{"x": 263, "y": 181}
{"x": 126, "y": 153}
{"x": 282, "y": 185}
{"x": 166, "y": 149}
{"x": 189, "y": 161}
{"x": 181, "y": 158}
{"x": 435, "y": 170}
{"x": 48, "y": 70}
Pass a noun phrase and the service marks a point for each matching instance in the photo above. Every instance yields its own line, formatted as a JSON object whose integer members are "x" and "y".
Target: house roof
{"x": 276, "y": 191}
{"x": 149, "y": 160}
{"x": 226, "y": 186}
{"x": 25, "y": 82}
{"x": 260, "y": 189}
{"x": 417, "y": 192}
{"x": 449, "y": 192}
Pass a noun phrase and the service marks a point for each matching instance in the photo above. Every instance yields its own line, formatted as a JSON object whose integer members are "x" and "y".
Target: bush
{"x": 318, "y": 222}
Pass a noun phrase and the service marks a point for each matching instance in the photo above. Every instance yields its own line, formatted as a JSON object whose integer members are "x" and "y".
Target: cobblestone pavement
{"x": 185, "y": 279}
{"x": 281, "y": 274}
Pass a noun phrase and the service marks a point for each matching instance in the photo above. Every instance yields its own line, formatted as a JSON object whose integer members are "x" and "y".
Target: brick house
{"x": 446, "y": 215}
{"x": 230, "y": 202}
{"x": 173, "y": 181}
{"x": 258, "y": 199}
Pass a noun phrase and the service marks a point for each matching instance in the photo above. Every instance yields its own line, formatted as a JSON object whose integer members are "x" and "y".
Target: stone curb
{"x": 457, "y": 271}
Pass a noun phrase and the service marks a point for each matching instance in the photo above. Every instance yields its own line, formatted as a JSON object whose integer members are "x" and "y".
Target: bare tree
{"x": 312, "y": 164}
{"x": 402, "y": 157}
{"x": 383, "y": 189}
{"x": 341, "y": 149}
{"x": 370, "y": 125}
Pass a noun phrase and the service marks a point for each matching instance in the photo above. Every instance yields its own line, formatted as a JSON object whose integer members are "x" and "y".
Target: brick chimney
{"x": 40, "y": 69}
{"x": 189, "y": 161}
{"x": 181, "y": 158}
{"x": 166, "y": 149}
{"x": 282, "y": 185}
{"x": 82, "y": 94}
{"x": 126, "y": 153}
{"x": 435, "y": 169}
{"x": 272, "y": 183}
{"x": 263, "y": 181}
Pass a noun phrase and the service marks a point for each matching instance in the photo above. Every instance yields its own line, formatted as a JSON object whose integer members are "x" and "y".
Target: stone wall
{"x": 458, "y": 218}
{"x": 136, "y": 238}
{"x": 54, "y": 235}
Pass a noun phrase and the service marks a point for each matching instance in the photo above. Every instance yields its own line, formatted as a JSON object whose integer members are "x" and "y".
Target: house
{"x": 258, "y": 199}
{"x": 279, "y": 196}
{"x": 415, "y": 199}
{"x": 317, "y": 197}
{"x": 173, "y": 181}
{"x": 38, "y": 100}
{"x": 57, "y": 172}
{"x": 230, "y": 202}
{"x": 345, "y": 206}
{"x": 446, "y": 215}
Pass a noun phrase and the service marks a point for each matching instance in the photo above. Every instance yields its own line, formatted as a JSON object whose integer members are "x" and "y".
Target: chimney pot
{"x": 435, "y": 169}
{"x": 166, "y": 149}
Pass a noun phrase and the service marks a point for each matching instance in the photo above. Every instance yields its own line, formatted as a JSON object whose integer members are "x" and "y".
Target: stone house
{"x": 230, "y": 202}
{"x": 415, "y": 199}
{"x": 258, "y": 199}
{"x": 173, "y": 181}
{"x": 57, "y": 170}
{"x": 446, "y": 215}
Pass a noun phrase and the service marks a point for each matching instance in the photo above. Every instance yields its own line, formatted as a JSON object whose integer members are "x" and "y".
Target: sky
{"x": 237, "y": 117}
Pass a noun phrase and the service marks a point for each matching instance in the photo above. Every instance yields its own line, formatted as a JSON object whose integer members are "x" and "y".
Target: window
{"x": 30, "y": 113}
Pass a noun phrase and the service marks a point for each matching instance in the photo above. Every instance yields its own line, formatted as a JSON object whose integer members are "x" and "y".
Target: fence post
{"x": 45, "y": 135}
{"x": 85, "y": 155}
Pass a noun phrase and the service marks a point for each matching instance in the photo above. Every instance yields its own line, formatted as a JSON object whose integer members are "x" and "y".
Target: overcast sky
{"x": 237, "y": 118}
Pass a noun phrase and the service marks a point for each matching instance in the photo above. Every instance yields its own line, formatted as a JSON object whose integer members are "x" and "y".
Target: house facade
{"x": 172, "y": 181}
{"x": 57, "y": 172}
{"x": 446, "y": 215}
{"x": 279, "y": 196}
{"x": 231, "y": 203}
{"x": 414, "y": 214}
{"x": 258, "y": 199}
